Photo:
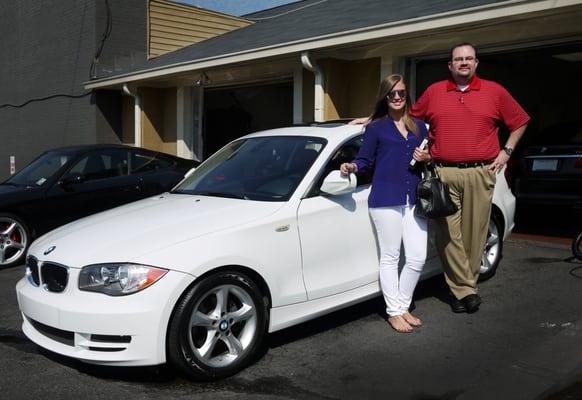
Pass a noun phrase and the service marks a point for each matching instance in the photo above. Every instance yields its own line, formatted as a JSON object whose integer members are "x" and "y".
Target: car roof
{"x": 332, "y": 131}
{"x": 83, "y": 147}
{"x": 80, "y": 148}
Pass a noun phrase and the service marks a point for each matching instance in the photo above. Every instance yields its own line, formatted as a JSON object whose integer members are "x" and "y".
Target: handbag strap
{"x": 429, "y": 170}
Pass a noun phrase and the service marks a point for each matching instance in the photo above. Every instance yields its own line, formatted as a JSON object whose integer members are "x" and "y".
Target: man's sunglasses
{"x": 392, "y": 94}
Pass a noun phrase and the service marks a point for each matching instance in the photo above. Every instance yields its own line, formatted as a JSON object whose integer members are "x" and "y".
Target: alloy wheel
{"x": 13, "y": 240}
{"x": 492, "y": 252}
{"x": 222, "y": 325}
{"x": 218, "y": 326}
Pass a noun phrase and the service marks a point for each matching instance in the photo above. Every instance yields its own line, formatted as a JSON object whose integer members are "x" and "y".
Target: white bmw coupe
{"x": 263, "y": 235}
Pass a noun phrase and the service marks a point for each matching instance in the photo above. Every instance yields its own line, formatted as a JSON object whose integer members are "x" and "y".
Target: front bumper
{"x": 100, "y": 329}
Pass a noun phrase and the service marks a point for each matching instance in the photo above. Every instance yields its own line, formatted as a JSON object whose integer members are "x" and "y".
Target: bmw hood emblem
{"x": 49, "y": 250}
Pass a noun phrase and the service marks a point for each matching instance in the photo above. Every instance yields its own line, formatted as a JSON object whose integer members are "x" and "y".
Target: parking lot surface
{"x": 524, "y": 343}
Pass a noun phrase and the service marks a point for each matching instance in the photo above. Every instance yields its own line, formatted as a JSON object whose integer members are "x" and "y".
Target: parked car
{"x": 265, "y": 234}
{"x": 65, "y": 184}
{"x": 550, "y": 171}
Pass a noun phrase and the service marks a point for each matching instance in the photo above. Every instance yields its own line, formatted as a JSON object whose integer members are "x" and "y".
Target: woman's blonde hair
{"x": 381, "y": 106}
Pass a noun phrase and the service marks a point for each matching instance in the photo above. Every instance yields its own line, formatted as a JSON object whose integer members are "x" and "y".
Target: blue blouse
{"x": 385, "y": 149}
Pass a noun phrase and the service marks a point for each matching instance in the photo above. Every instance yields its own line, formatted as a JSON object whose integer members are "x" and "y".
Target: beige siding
{"x": 159, "y": 119}
{"x": 173, "y": 26}
{"x": 350, "y": 87}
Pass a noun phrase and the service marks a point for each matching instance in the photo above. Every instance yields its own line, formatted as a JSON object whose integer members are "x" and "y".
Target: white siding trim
{"x": 184, "y": 118}
{"x": 137, "y": 120}
{"x": 298, "y": 95}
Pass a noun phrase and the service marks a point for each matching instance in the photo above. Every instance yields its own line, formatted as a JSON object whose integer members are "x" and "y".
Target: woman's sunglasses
{"x": 392, "y": 94}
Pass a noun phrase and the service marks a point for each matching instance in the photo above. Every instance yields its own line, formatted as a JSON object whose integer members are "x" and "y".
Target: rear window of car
{"x": 144, "y": 162}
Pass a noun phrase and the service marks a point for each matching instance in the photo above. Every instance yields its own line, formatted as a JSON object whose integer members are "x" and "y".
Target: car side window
{"x": 145, "y": 161}
{"x": 346, "y": 153}
{"x": 101, "y": 164}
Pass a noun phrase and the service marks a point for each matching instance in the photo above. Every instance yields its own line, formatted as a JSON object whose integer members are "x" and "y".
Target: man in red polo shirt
{"x": 464, "y": 114}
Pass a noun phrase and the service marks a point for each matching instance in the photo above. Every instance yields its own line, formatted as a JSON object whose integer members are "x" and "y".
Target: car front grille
{"x": 54, "y": 277}
{"x": 32, "y": 270}
{"x": 58, "y": 335}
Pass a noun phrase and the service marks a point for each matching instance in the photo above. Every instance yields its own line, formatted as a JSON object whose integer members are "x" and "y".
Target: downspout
{"x": 318, "y": 90}
{"x": 136, "y": 114}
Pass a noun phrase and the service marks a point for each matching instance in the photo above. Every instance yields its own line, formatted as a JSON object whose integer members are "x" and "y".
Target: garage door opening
{"x": 546, "y": 81}
{"x": 232, "y": 112}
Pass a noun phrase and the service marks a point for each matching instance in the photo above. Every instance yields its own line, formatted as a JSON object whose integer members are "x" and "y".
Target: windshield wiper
{"x": 222, "y": 194}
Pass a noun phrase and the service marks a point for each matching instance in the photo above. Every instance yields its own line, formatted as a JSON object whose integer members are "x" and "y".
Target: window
{"x": 261, "y": 168}
{"x": 347, "y": 153}
{"x": 42, "y": 169}
{"x": 144, "y": 162}
{"x": 102, "y": 164}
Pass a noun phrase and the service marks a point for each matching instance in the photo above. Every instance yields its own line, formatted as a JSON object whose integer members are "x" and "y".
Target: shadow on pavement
{"x": 154, "y": 374}
{"x": 433, "y": 287}
{"x": 572, "y": 391}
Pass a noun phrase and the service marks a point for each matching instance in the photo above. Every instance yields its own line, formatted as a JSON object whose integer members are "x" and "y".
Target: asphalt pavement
{"x": 524, "y": 343}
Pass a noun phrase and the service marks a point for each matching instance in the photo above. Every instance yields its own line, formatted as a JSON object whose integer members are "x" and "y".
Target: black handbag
{"x": 433, "y": 199}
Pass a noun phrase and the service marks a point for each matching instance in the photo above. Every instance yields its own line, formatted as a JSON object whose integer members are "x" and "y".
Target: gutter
{"x": 319, "y": 94}
{"x": 136, "y": 114}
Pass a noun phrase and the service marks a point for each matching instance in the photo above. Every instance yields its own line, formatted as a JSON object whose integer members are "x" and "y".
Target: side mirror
{"x": 335, "y": 183}
{"x": 190, "y": 172}
{"x": 71, "y": 180}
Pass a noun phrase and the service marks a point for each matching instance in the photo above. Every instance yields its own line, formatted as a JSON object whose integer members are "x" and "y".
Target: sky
{"x": 236, "y": 7}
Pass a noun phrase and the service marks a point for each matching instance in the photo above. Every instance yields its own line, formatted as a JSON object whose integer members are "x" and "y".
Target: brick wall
{"x": 47, "y": 48}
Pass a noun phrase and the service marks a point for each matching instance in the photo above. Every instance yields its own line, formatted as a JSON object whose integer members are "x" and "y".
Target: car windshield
{"x": 41, "y": 170}
{"x": 260, "y": 168}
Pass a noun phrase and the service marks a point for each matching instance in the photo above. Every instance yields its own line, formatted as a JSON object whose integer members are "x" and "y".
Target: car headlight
{"x": 118, "y": 279}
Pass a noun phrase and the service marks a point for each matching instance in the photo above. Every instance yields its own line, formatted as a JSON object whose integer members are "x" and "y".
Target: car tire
{"x": 493, "y": 248}
{"x": 577, "y": 246}
{"x": 217, "y": 327}
{"x": 14, "y": 240}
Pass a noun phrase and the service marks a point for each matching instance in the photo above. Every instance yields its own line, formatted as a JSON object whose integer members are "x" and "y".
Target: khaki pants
{"x": 460, "y": 238}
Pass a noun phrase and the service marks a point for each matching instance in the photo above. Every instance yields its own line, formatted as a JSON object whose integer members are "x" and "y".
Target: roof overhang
{"x": 473, "y": 15}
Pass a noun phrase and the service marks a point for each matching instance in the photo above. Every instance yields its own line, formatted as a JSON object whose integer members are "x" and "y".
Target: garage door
{"x": 232, "y": 112}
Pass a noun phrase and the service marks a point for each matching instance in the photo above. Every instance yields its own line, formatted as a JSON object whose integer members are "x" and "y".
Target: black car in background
{"x": 549, "y": 173}
{"x": 68, "y": 183}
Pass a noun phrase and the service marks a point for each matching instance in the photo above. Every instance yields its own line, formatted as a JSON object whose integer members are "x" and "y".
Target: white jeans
{"x": 394, "y": 226}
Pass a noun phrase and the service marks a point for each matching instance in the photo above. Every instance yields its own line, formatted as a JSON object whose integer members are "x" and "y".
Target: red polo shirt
{"x": 464, "y": 125}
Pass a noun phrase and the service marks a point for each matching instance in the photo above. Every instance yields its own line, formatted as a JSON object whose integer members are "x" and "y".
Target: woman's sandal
{"x": 399, "y": 324}
{"x": 412, "y": 320}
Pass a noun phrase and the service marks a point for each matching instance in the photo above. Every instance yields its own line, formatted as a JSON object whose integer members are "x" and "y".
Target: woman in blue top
{"x": 390, "y": 142}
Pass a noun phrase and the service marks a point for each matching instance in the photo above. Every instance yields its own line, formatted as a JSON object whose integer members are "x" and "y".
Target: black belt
{"x": 469, "y": 164}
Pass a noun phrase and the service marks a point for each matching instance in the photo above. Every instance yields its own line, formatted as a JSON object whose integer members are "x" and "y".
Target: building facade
{"x": 321, "y": 60}
{"x": 51, "y": 48}
{"x": 186, "y": 81}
